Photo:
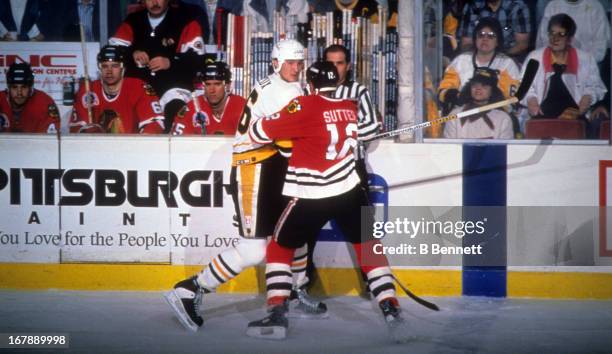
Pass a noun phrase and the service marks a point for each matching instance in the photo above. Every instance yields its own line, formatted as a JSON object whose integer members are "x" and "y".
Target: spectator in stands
{"x": 200, "y": 9}
{"x": 593, "y": 27}
{"x": 513, "y": 15}
{"x": 487, "y": 53}
{"x": 217, "y": 111}
{"x": 165, "y": 48}
{"x": 59, "y": 20}
{"x": 116, "y": 104}
{"x": 481, "y": 90}
{"x": 263, "y": 13}
{"x": 18, "y": 20}
{"x": 540, "y": 6}
{"x": 22, "y": 107}
{"x": 567, "y": 82}
{"x": 451, "y": 13}
{"x": 360, "y": 8}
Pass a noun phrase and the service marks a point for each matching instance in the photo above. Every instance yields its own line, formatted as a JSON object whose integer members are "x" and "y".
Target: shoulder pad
{"x": 149, "y": 91}
{"x": 294, "y": 106}
{"x": 53, "y": 111}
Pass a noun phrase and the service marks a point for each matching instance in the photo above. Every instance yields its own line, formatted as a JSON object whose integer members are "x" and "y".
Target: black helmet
{"x": 111, "y": 53}
{"x": 217, "y": 70}
{"x": 20, "y": 73}
{"x": 323, "y": 75}
{"x": 485, "y": 75}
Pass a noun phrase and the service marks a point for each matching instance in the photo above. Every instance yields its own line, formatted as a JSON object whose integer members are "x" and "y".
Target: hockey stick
{"x": 200, "y": 117}
{"x": 530, "y": 72}
{"x": 420, "y": 301}
{"x": 86, "y": 75}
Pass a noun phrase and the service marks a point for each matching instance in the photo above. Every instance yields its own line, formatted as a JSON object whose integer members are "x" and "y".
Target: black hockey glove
{"x": 451, "y": 99}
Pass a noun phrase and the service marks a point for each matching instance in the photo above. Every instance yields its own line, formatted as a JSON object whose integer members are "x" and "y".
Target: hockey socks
{"x": 377, "y": 271}
{"x": 229, "y": 263}
{"x": 298, "y": 267}
{"x": 302, "y": 305}
{"x": 279, "y": 282}
{"x": 279, "y": 279}
{"x": 219, "y": 271}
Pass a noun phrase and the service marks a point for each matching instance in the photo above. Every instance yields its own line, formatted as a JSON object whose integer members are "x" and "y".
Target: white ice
{"x": 141, "y": 322}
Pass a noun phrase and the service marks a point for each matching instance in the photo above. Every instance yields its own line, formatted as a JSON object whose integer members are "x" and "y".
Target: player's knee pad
{"x": 252, "y": 251}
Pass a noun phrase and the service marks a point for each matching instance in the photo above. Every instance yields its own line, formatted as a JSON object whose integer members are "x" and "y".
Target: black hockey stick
{"x": 530, "y": 72}
{"x": 421, "y": 301}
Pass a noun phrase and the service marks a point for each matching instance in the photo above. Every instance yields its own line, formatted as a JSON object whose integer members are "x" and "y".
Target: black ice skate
{"x": 398, "y": 329}
{"x": 304, "y": 306}
{"x": 185, "y": 300}
{"x": 274, "y": 326}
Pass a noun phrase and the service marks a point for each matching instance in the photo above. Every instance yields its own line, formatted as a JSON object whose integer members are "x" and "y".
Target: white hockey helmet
{"x": 287, "y": 49}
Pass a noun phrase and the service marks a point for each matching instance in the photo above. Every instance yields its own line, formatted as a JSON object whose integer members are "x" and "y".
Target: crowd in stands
{"x": 162, "y": 44}
{"x": 570, "y": 39}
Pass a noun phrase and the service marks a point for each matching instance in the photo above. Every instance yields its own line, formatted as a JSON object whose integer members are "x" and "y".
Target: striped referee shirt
{"x": 367, "y": 124}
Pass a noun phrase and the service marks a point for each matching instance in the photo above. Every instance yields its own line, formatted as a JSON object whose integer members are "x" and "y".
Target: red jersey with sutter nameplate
{"x": 189, "y": 122}
{"x": 39, "y": 114}
{"x": 324, "y": 133}
{"x": 134, "y": 110}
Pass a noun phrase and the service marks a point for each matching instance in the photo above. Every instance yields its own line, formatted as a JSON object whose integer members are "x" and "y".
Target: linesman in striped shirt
{"x": 367, "y": 124}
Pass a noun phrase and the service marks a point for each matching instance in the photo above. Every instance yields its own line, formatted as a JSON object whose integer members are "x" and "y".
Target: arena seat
{"x": 604, "y": 130}
{"x": 555, "y": 129}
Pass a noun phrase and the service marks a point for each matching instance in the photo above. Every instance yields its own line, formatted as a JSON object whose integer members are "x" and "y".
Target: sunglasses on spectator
{"x": 557, "y": 34}
{"x": 489, "y": 35}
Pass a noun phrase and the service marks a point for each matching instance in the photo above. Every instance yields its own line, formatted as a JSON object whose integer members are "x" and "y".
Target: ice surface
{"x": 141, "y": 322}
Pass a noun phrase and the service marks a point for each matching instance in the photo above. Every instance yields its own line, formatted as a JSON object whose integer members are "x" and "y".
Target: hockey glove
{"x": 451, "y": 99}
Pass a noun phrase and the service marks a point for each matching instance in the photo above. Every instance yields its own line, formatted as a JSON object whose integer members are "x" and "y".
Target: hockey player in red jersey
{"x": 256, "y": 187}
{"x": 217, "y": 111}
{"x": 117, "y": 104}
{"x": 322, "y": 184}
{"x": 165, "y": 48}
{"x": 22, "y": 107}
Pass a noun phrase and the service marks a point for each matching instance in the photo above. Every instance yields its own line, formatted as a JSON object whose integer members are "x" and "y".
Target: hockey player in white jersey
{"x": 256, "y": 181}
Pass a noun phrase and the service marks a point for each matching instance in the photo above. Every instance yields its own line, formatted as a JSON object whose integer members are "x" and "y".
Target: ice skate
{"x": 185, "y": 300}
{"x": 302, "y": 305}
{"x": 274, "y": 326}
{"x": 398, "y": 327}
